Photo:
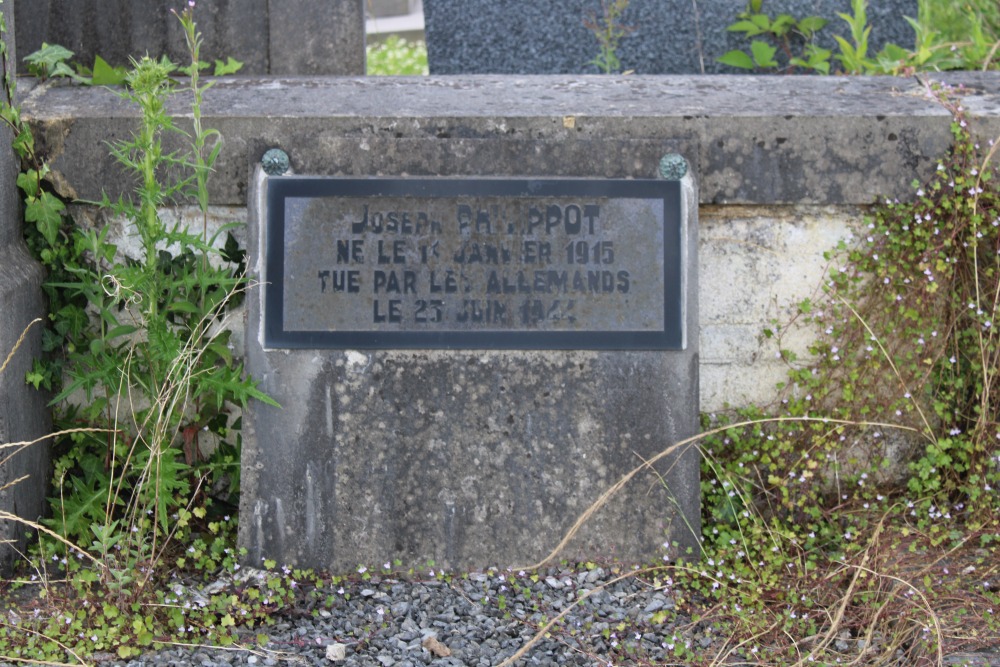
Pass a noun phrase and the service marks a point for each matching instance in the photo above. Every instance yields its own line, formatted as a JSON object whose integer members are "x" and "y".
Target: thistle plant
{"x": 142, "y": 370}
{"x": 145, "y": 349}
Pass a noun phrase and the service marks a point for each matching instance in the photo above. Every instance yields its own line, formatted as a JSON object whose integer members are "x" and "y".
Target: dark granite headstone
{"x": 669, "y": 36}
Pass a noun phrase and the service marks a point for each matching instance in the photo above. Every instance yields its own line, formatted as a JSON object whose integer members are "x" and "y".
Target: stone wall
{"x": 784, "y": 167}
{"x": 777, "y": 248}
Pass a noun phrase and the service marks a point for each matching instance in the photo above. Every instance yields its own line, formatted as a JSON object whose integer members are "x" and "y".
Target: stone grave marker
{"x": 465, "y": 365}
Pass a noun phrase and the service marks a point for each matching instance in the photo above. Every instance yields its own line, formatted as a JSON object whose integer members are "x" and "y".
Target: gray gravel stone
{"x": 464, "y": 614}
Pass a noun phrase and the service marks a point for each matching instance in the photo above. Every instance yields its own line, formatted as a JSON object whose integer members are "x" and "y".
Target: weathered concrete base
{"x": 467, "y": 458}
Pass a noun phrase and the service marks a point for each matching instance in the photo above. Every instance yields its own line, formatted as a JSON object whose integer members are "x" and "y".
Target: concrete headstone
{"x": 669, "y": 36}
{"x": 24, "y": 417}
{"x": 544, "y": 359}
{"x": 288, "y": 37}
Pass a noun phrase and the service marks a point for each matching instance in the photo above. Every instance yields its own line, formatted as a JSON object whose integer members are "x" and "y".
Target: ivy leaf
{"x": 106, "y": 75}
{"x": 28, "y": 182}
{"x": 34, "y": 378}
{"x": 126, "y": 652}
{"x": 811, "y": 24}
{"x": 737, "y": 59}
{"x": 46, "y": 212}
{"x": 763, "y": 54}
{"x": 190, "y": 68}
{"x": 231, "y": 66}
{"x": 231, "y": 251}
{"x": 749, "y": 27}
{"x": 46, "y": 61}
{"x": 24, "y": 142}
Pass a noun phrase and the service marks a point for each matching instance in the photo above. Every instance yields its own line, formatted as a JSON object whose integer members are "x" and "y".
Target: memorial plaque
{"x": 473, "y": 263}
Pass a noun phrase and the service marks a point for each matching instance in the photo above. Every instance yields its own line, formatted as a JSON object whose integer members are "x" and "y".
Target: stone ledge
{"x": 750, "y": 139}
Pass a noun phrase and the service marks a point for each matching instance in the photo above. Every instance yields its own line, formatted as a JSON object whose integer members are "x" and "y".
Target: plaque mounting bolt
{"x": 275, "y": 162}
{"x": 673, "y": 167}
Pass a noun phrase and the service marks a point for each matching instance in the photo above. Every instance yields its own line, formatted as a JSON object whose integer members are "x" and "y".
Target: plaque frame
{"x": 671, "y": 337}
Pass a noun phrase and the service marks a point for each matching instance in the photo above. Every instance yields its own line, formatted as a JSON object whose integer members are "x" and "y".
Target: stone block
{"x": 731, "y": 385}
{"x": 752, "y": 246}
{"x": 750, "y": 139}
{"x": 316, "y": 37}
{"x": 668, "y": 37}
{"x": 785, "y": 165}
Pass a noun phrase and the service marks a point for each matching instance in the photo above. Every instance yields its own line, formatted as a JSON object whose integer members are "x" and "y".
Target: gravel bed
{"x": 480, "y": 619}
{"x": 466, "y": 620}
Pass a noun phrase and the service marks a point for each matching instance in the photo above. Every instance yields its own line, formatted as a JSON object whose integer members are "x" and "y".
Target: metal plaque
{"x": 473, "y": 263}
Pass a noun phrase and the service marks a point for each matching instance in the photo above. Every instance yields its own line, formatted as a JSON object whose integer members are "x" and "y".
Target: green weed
{"x": 145, "y": 382}
{"x": 609, "y": 31}
{"x": 853, "y": 520}
{"x": 946, "y": 37}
